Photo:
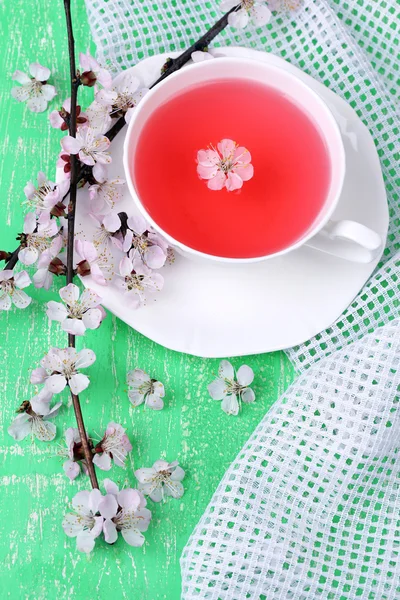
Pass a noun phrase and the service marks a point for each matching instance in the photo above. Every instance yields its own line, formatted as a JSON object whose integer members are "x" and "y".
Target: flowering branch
{"x": 71, "y": 232}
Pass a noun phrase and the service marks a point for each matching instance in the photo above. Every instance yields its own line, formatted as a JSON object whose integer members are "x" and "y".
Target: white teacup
{"x": 346, "y": 239}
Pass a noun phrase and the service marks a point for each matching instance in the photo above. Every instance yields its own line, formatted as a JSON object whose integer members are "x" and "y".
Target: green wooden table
{"x": 37, "y": 560}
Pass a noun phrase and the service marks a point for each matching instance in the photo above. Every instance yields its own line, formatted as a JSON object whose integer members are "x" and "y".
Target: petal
{"x": 55, "y": 383}
{"x": 207, "y": 172}
{"x": 174, "y": 489}
{"x": 112, "y": 222}
{"x": 20, "y": 427}
{"x": 159, "y": 389}
{"x": 49, "y": 92}
{"x": 42, "y": 279}
{"x": 145, "y": 475}
{"x": 239, "y": 19}
{"x": 108, "y": 506}
{"x": 43, "y": 430}
{"x": 41, "y": 402}
{"x": 110, "y": 532}
{"x": 78, "y": 383}
{"x": 29, "y": 223}
{"x": 135, "y": 398}
{"x": 92, "y": 318}
{"x": 39, "y": 72}
{"x": 71, "y": 469}
{"x": 245, "y": 173}
{"x": 241, "y": 156}
{"x": 260, "y": 14}
{"x": 245, "y": 375}
{"x": 86, "y": 250}
{"x": 208, "y": 158}
{"x": 133, "y": 537}
{"x": 85, "y": 541}
{"x": 20, "y": 299}
{"x": 90, "y": 299}
{"x": 177, "y": 474}
{"x": 129, "y": 499}
{"x": 200, "y": 56}
{"x": 99, "y": 173}
{"x": 230, "y": 405}
{"x": 21, "y": 77}
{"x": 137, "y": 375}
{"x": 56, "y": 311}
{"x": 102, "y": 461}
{"x": 5, "y": 302}
{"x": 95, "y": 497}
{"x": 22, "y": 279}
{"x": 144, "y": 517}
{"x": 125, "y": 266}
{"x": 155, "y": 402}
{"x": 52, "y": 360}
{"x": 233, "y": 182}
{"x": 226, "y": 371}
{"x": 157, "y": 494}
{"x": 38, "y": 375}
{"x": 97, "y": 275}
{"x": 70, "y": 145}
{"x": 227, "y": 148}
{"x": 55, "y": 119}
{"x": 53, "y": 412}
{"x": 97, "y": 527}
{"x": 226, "y": 5}
{"x": 248, "y": 395}
{"x": 28, "y": 256}
{"x": 85, "y": 358}
{"x": 155, "y": 257}
{"x": 37, "y": 104}
{"x": 29, "y": 190}
{"x": 72, "y": 525}
{"x": 138, "y": 224}
{"x": 217, "y": 182}
{"x": 106, "y": 97}
{"x": 80, "y": 502}
{"x": 110, "y": 487}
{"x": 69, "y": 293}
{"x": 74, "y": 326}
{"x": 21, "y": 94}
{"x": 217, "y": 389}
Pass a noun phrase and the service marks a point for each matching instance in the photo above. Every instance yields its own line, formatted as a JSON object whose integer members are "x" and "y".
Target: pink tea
{"x": 272, "y": 210}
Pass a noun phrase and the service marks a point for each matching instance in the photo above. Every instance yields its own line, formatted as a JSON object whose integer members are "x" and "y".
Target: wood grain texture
{"x": 37, "y": 561}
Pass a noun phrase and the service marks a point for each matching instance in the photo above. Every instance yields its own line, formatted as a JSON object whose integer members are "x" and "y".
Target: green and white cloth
{"x": 311, "y": 506}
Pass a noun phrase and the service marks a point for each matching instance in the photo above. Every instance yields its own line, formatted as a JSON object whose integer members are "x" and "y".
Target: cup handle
{"x": 349, "y": 240}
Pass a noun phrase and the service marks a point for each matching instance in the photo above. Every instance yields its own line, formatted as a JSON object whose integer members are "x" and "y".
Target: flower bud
{"x": 83, "y": 268}
{"x": 57, "y": 267}
{"x": 88, "y": 78}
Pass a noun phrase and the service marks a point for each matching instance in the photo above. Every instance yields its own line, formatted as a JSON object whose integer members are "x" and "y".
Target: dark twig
{"x": 71, "y": 232}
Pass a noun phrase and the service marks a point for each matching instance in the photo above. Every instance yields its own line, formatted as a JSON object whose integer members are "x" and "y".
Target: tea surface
{"x": 272, "y": 210}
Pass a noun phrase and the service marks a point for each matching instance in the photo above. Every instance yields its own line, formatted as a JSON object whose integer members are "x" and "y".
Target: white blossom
{"x": 160, "y": 480}
{"x": 232, "y": 388}
{"x": 34, "y": 89}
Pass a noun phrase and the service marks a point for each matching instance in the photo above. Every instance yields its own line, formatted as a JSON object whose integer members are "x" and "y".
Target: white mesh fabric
{"x": 310, "y": 508}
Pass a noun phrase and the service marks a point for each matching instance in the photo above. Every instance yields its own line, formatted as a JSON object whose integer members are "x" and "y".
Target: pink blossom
{"x": 228, "y": 166}
{"x": 145, "y": 389}
{"x": 58, "y": 117}
{"x": 11, "y": 285}
{"x": 60, "y": 367}
{"x": 28, "y": 422}
{"x": 135, "y": 279}
{"x": 114, "y": 445}
{"x": 250, "y": 10}
{"x": 160, "y": 480}
{"x": 39, "y": 235}
{"x": 91, "y": 262}
{"x": 84, "y": 524}
{"x": 43, "y": 278}
{"x": 34, "y": 90}
{"x": 90, "y": 146}
{"x": 124, "y": 511}
{"x": 46, "y": 194}
{"x": 144, "y": 244}
{"x": 122, "y": 96}
{"x": 77, "y": 314}
{"x": 107, "y": 229}
{"x": 105, "y": 193}
{"x": 72, "y": 465}
{"x": 88, "y": 63}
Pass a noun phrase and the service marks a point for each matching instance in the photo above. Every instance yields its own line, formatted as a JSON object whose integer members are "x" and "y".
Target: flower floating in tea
{"x": 228, "y": 165}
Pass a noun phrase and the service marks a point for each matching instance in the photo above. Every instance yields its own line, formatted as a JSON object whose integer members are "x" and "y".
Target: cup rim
{"x": 173, "y": 242}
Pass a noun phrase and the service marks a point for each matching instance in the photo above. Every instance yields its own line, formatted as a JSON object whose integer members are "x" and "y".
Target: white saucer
{"x": 214, "y": 311}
